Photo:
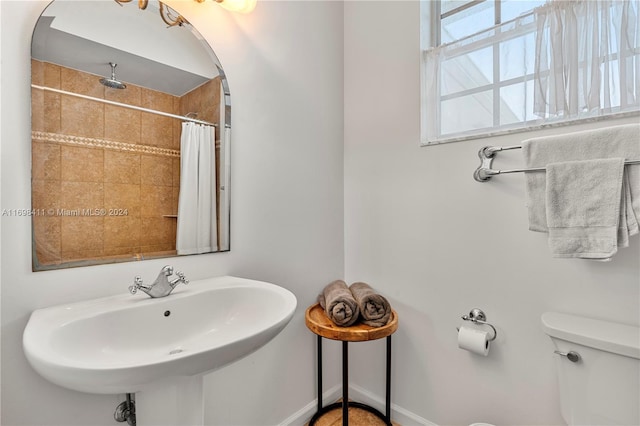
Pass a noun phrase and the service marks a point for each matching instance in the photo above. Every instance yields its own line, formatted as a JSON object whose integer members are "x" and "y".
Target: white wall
{"x": 284, "y": 64}
{"x": 422, "y": 231}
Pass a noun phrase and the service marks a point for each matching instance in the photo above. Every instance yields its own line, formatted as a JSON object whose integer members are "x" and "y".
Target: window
{"x": 509, "y": 65}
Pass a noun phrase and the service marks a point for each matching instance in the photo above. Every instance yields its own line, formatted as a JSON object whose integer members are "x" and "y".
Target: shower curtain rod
{"x": 484, "y": 172}
{"x": 137, "y": 108}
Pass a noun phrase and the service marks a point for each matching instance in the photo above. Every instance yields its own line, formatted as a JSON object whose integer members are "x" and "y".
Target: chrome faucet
{"x": 161, "y": 287}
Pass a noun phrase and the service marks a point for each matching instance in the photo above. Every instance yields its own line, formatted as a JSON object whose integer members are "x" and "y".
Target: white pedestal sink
{"x": 156, "y": 348}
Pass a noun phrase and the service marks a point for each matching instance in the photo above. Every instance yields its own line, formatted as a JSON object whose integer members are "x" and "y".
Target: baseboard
{"x": 398, "y": 414}
{"x": 304, "y": 414}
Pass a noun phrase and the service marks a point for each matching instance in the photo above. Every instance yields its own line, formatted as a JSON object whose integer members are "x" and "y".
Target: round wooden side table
{"x": 318, "y": 322}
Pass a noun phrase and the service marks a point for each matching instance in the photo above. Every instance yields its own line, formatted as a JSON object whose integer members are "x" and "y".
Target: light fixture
{"x": 242, "y": 6}
{"x": 172, "y": 19}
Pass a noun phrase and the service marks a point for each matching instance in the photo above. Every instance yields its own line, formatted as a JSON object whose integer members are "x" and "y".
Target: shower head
{"x": 113, "y": 82}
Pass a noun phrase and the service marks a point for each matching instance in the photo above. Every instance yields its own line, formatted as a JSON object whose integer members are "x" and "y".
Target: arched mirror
{"x": 130, "y": 137}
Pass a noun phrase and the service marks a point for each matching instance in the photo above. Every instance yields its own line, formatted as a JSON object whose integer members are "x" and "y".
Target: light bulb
{"x": 242, "y": 6}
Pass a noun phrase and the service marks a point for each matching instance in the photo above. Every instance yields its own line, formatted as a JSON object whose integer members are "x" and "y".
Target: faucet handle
{"x": 137, "y": 282}
{"x": 182, "y": 278}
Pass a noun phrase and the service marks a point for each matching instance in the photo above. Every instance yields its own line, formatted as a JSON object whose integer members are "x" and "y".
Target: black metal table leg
{"x": 318, "y": 322}
{"x": 388, "y": 401}
{"x": 319, "y": 362}
{"x": 345, "y": 383}
{"x": 345, "y": 404}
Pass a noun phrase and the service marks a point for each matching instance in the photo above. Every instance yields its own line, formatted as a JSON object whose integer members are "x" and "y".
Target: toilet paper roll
{"x": 474, "y": 340}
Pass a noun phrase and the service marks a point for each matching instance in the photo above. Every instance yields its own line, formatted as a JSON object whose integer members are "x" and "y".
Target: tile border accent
{"x": 102, "y": 143}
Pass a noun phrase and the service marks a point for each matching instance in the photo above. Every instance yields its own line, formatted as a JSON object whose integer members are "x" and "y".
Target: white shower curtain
{"x": 197, "y": 229}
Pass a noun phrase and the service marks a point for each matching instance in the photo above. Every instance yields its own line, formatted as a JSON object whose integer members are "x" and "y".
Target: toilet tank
{"x": 603, "y": 386}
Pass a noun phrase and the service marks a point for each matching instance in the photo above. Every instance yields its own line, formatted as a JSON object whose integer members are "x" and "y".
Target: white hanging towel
{"x": 621, "y": 142}
{"x": 607, "y": 142}
{"x": 583, "y": 208}
{"x": 197, "y": 213}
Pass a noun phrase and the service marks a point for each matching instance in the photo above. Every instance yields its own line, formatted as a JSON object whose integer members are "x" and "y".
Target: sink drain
{"x": 175, "y": 351}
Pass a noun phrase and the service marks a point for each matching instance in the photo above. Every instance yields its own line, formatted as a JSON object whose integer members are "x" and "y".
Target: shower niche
{"x": 113, "y": 172}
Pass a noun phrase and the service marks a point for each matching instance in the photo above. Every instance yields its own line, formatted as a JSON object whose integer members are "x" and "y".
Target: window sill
{"x": 531, "y": 126}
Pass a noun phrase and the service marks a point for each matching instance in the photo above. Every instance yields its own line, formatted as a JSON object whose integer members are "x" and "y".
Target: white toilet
{"x": 598, "y": 368}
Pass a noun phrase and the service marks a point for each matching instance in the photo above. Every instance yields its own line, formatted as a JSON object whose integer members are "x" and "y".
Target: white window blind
{"x": 556, "y": 63}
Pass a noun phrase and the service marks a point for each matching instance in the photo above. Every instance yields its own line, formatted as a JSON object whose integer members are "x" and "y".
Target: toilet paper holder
{"x": 477, "y": 316}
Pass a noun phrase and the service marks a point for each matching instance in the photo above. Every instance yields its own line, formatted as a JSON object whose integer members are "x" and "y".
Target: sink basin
{"x": 125, "y": 343}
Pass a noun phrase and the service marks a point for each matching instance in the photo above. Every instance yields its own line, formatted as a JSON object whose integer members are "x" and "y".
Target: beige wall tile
{"x": 37, "y": 72}
{"x": 157, "y": 100}
{"x": 211, "y": 92}
{"x": 52, "y": 112}
{"x": 82, "y": 255}
{"x": 81, "y": 117}
{"x": 121, "y": 231}
{"x": 177, "y": 131}
{"x": 156, "y": 170}
{"x": 210, "y": 101}
{"x": 205, "y": 100}
{"x": 132, "y": 95}
{"x": 45, "y": 194}
{"x": 81, "y": 164}
{"x": 45, "y": 106}
{"x": 52, "y": 119}
{"x": 52, "y": 75}
{"x": 45, "y": 161}
{"x": 82, "y": 195}
{"x": 123, "y": 196}
{"x": 177, "y": 124}
{"x": 126, "y": 252}
{"x": 157, "y": 230}
{"x": 122, "y": 124}
{"x": 175, "y": 199}
{"x": 211, "y": 113}
{"x": 156, "y": 130}
{"x": 37, "y": 110}
{"x": 174, "y": 228}
{"x": 176, "y": 172}
{"x": 47, "y": 239}
{"x": 81, "y": 82}
{"x": 191, "y": 102}
{"x": 159, "y": 250}
{"x": 80, "y": 234}
{"x": 121, "y": 167}
{"x": 156, "y": 200}
{"x": 52, "y": 101}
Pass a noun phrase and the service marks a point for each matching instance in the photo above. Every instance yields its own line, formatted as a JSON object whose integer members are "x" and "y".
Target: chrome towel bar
{"x": 484, "y": 172}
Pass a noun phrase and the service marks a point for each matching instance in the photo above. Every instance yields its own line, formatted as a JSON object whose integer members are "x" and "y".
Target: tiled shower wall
{"x": 105, "y": 178}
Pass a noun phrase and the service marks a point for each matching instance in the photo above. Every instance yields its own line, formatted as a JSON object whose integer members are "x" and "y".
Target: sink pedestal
{"x": 176, "y": 401}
